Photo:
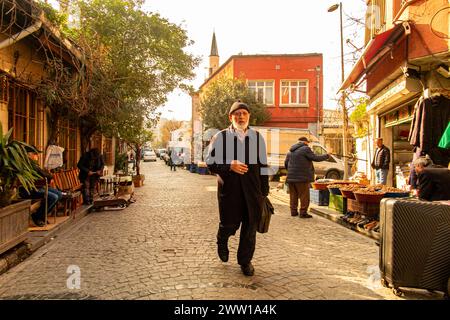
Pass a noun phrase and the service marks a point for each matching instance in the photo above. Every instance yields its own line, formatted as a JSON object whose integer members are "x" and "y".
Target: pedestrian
{"x": 381, "y": 161}
{"x": 173, "y": 158}
{"x": 237, "y": 155}
{"x": 53, "y": 195}
{"x": 433, "y": 183}
{"x": 300, "y": 173}
{"x": 91, "y": 166}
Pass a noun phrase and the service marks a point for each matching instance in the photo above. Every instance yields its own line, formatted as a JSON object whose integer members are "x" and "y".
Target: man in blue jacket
{"x": 300, "y": 170}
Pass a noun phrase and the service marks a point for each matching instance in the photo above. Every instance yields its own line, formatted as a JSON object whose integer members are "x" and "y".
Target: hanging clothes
{"x": 431, "y": 117}
{"x": 54, "y": 157}
{"x": 445, "y": 139}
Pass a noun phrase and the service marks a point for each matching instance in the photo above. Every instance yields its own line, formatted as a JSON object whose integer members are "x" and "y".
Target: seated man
{"x": 433, "y": 182}
{"x": 53, "y": 196}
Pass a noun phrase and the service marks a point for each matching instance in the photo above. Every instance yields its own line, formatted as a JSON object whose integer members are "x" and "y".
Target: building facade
{"x": 290, "y": 85}
{"x": 406, "y": 58}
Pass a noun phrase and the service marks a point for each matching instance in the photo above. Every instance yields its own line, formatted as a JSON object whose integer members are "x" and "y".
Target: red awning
{"x": 372, "y": 49}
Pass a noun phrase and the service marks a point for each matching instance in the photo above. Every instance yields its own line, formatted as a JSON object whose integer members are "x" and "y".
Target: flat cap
{"x": 238, "y": 105}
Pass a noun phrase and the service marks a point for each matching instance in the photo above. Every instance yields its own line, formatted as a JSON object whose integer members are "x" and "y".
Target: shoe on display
{"x": 248, "y": 269}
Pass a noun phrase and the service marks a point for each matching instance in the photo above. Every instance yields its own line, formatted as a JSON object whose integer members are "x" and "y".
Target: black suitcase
{"x": 415, "y": 245}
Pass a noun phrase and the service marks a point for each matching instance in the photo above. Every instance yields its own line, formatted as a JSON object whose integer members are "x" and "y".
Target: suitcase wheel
{"x": 397, "y": 292}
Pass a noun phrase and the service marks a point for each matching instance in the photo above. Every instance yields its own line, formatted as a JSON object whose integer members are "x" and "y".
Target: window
{"x": 294, "y": 93}
{"x": 26, "y": 116}
{"x": 375, "y": 18}
{"x": 107, "y": 151}
{"x": 263, "y": 91}
{"x": 67, "y": 138}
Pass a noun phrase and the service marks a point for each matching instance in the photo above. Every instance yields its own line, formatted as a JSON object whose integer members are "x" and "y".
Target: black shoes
{"x": 248, "y": 269}
{"x": 294, "y": 214}
{"x": 305, "y": 215}
{"x": 222, "y": 250}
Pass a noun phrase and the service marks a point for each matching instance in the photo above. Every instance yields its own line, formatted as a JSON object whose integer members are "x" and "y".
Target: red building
{"x": 291, "y": 86}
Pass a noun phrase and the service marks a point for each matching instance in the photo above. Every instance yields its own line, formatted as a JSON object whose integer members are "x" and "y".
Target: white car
{"x": 149, "y": 155}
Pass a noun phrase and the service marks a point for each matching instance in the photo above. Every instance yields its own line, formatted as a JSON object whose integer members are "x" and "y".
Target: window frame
{"x": 256, "y": 91}
{"x": 290, "y": 104}
{"x": 67, "y": 138}
{"x": 28, "y": 118}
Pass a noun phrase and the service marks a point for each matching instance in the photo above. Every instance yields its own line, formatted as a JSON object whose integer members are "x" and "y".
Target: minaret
{"x": 214, "y": 56}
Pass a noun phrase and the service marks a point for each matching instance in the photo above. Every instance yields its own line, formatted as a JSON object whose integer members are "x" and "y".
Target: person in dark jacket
{"x": 237, "y": 155}
{"x": 433, "y": 182}
{"x": 300, "y": 173}
{"x": 381, "y": 161}
{"x": 53, "y": 195}
{"x": 91, "y": 166}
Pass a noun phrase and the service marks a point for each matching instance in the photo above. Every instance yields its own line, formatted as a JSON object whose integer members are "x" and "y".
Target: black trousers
{"x": 88, "y": 189}
{"x": 247, "y": 237}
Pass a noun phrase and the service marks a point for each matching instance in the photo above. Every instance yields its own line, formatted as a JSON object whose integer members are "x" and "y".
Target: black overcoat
{"x": 225, "y": 146}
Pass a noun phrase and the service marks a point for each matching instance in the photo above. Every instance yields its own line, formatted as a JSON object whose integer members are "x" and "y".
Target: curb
{"x": 329, "y": 214}
{"x": 35, "y": 240}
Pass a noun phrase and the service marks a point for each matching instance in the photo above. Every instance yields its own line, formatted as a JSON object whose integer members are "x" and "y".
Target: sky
{"x": 260, "y": 27}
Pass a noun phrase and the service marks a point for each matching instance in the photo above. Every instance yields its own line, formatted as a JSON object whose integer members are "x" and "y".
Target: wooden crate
{"x": 364, "y": 208}
{"x": 14, "y": 224}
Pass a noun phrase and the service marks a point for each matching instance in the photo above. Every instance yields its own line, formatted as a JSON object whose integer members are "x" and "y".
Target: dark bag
{"x": 267, "y": 212}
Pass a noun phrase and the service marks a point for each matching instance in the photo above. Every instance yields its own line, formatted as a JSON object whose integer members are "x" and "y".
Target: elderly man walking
{"x": 300, "y": 174}
{"x": 237, "y": 155}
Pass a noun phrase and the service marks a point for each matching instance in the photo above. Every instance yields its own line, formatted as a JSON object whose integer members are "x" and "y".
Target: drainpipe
{"x": 20, "y": 35}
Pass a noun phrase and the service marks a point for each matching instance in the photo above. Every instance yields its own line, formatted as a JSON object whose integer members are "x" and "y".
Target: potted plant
{"x": 15, "y": 167}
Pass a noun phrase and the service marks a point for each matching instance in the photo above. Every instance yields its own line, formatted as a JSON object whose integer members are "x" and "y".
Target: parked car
{"x": 149, "y": 155}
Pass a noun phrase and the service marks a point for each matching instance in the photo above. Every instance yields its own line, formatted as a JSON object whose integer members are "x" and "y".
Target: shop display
{"x": 338, "y": 203}
{"x": 334, "y": 189}
{"x": 319, "y": 197}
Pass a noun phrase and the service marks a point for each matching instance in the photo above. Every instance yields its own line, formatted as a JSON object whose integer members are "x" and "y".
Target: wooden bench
{"x": 67, "y": 181}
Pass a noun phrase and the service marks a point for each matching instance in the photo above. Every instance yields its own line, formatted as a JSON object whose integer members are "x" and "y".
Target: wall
{"x": 28, "y": 64}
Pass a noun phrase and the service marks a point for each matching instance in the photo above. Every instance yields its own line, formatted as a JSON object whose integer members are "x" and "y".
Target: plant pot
{"x": 138, "y": 181}
{"x": 14, "y": 224}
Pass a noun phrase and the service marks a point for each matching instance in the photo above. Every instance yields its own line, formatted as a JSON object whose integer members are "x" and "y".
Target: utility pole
{"x": 343, "y": 97}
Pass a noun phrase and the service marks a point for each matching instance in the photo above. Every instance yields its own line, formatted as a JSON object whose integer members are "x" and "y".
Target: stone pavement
{"x": 163, "y": 247}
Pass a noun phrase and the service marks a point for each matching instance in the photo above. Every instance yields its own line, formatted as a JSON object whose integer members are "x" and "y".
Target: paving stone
{"x": 163, "y": 247}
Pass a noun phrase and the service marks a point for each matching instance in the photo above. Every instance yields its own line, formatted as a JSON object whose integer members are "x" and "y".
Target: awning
{"x": 375, "y": 49}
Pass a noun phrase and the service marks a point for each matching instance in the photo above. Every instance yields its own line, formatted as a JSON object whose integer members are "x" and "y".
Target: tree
{"x": 167, "y": 128}
{"x": 135, "y": 130}
{"x": 133, "y": 58}
{"x": 360, "y": 118}
{"x": 219, "y": 97}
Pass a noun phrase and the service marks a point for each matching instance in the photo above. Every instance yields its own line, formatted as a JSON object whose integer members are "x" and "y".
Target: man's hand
{"x": 90, "y": 173}
{"x": 238, "y": 167}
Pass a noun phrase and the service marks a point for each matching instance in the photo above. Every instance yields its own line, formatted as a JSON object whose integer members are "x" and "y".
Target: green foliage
{"x": 121, "y": 160}
{"x": 140, "y": 57}
{"x": 360, "y": 118}
{"x": 219, "y": 97}
{"x": 56, "y": 17}
{"x": 15, "y": 167}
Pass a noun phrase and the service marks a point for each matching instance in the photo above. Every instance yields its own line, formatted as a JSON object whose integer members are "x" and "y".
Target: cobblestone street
{"x": 163, "y": 247}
